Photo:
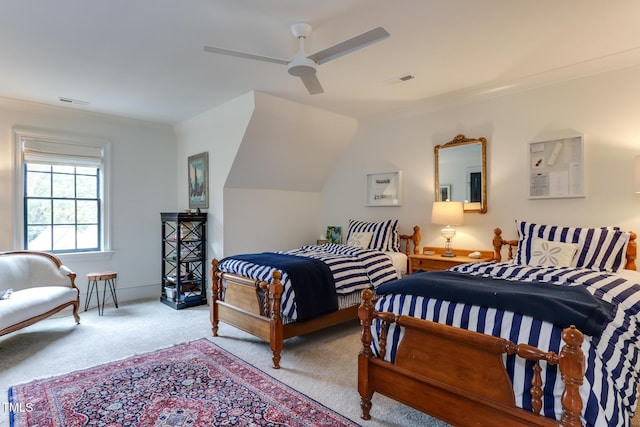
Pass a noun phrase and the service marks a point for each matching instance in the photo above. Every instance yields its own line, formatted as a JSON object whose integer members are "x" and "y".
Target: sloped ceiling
{"x": 289, "y": 146}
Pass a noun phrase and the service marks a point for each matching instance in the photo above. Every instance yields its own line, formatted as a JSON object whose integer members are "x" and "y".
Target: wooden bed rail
{"x": 499, "y": 243}
{"x": 441, "y": 362}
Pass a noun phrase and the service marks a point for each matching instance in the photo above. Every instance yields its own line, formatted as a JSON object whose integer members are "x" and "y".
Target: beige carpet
{"x": 322, "y": 365}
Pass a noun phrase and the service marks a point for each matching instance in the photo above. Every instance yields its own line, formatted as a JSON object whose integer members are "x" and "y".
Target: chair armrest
{"x": 66, "y": 270}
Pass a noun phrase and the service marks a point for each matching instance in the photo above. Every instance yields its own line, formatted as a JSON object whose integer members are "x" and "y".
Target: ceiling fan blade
{"x": 312, "y": 84}
{"x": 354, "y": 43}
{"x": 239, "y": 54}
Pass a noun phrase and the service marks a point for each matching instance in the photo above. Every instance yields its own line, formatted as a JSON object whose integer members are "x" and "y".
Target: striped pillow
{"x": 598, "y": 248}
{"x": 384, "y": 234}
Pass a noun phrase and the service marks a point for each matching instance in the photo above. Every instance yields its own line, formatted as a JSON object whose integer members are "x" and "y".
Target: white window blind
{"x": 41, "y": 151}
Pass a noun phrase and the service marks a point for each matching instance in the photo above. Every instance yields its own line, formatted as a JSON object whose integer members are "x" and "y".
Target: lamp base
{"x": 448, "y": 233}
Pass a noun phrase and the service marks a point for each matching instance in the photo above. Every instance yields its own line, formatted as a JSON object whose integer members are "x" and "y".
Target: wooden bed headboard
{"x": 499, "y": 243}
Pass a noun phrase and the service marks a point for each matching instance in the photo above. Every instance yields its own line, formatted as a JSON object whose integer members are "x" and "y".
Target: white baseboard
{"x": 123, "y": 294}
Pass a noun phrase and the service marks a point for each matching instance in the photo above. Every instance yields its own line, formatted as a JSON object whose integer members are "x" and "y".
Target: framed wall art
{"x": 334, "y": 234}
{"x": 445, "y": 192}
{"x": 198, "y": 167}
{"x": 556, "y": 168}
{"x": 384, "y": 189}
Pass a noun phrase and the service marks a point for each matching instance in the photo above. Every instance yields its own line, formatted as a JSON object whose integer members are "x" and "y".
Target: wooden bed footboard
{"x": 239, "y": 303}
{"x": 458, "y": 375}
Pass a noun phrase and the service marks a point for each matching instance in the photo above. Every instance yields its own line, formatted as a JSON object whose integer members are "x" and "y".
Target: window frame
{"x": 19, "y": 181}
{"x": 52, "y": 200}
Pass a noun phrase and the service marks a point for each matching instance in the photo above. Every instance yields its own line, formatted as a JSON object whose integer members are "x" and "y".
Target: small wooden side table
{"x": 436, "y": 261}
{"x": 109, "y": 278}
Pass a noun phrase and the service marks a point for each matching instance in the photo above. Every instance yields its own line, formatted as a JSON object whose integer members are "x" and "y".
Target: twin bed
{"x": 255, "y": 292}
{"x": 437, "y": 342}
{"x": 553, "y": 341}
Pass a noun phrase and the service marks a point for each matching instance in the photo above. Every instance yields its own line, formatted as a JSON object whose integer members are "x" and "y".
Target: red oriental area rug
{"x": 194, "y": 384}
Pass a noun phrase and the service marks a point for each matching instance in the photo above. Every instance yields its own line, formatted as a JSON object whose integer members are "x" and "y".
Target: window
{"x": 62, "y": 192}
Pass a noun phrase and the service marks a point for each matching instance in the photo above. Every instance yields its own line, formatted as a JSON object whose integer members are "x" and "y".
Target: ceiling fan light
{"x": 301, "y": 66}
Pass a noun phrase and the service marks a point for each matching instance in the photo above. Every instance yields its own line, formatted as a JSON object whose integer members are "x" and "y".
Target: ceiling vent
{"x": 400, "y": 79}
{"x": 72, "y": 101}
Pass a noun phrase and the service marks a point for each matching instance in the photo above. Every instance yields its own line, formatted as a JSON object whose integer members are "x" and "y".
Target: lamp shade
{"x": 447, "y": 213}
{"x": 636, "y": 176}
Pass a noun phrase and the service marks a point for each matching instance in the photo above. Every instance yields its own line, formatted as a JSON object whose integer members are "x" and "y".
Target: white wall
{"x": 220, "y": 132}
{"x": 143, "y": 184}
{"x": 268, "y": 158}
{"x": 604, "y": 107}
{"x": 268, "y": 220}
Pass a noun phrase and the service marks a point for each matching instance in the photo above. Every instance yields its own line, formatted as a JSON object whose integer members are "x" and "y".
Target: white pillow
{"x": 360, "y": 239}
{"x": 546, "y": 252}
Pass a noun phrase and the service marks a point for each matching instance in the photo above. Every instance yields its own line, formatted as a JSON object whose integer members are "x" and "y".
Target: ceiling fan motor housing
{"x": 301, "y": 66}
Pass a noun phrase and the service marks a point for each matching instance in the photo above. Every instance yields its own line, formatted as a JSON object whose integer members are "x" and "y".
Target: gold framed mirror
{"x": 461, "y": 172}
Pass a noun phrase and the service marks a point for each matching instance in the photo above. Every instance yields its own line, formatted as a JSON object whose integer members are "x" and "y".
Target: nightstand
{"x": 437, "y": 262}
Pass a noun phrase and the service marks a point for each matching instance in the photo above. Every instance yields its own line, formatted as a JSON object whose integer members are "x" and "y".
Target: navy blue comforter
{"x": 560, "y": 305}
{"x": 310, "y": 278}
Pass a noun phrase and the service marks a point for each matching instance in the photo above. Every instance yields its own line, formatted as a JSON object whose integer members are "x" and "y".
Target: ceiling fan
{"x": 303, "y": 65}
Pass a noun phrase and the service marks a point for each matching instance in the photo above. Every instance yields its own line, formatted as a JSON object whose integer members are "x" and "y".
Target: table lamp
{"x": 447, "y": 213}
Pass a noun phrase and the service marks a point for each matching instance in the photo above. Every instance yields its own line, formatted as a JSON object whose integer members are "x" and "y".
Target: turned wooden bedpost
{"x": 215, "y": 296}
{"x": 275, "y": 323}
{"x": 572, "y": 366}
{"x": 365, "y": 313}
{"x": 497, "y": 244}
{"x": 416, "y": 239}
{"x": 632, "y": 250}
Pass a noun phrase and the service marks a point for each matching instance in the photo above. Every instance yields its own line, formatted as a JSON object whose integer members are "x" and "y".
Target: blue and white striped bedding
{"x": 353, "y": 269}
{"x": 610, "y": 388}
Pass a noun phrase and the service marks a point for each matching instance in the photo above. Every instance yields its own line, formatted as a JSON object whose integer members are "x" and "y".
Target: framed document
{"x": 384, "y": 189}
{"x": 556, "y": 168}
